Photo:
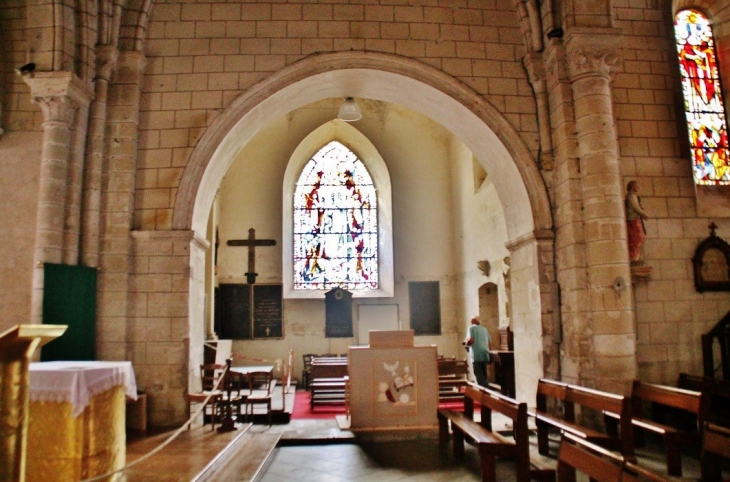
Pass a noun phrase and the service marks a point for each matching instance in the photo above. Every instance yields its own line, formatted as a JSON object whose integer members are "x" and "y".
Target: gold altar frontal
{"x": 63, "y": 448}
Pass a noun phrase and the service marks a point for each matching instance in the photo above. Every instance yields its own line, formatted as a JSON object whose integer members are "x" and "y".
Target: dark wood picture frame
{"x": 701, "y": 261}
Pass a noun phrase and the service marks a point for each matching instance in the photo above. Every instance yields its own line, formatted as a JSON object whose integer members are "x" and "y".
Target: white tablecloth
{"x": 76, "y": 382}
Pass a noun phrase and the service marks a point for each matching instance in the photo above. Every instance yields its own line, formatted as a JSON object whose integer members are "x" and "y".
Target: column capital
{"x": 59, "y": 94}
{"x": 592, "y": 51}
{"x": 59, "y": 84}
{"x": 106, "y": 61}
{"x": 132, "y": 60}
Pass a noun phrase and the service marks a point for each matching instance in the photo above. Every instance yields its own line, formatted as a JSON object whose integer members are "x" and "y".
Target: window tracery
{"x": 335, "y": 224}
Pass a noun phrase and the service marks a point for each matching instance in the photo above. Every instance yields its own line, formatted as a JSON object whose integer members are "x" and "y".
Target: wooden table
{"x": 76, "y": 424}
{"x": 248, "y": 369}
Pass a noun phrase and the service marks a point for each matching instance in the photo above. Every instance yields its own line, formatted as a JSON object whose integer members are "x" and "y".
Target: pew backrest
{"x": 328, "y": 370}
{"x": 687, "y": 400}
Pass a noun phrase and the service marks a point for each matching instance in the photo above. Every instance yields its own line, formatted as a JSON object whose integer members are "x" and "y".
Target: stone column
{"x": 106, "y": 59}
{"x": 591, "y": 55}
{"x": 117, "y": 208}
{"x": 60, "y": 95}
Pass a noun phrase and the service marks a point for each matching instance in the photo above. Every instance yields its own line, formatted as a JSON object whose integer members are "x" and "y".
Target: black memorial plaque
{"x": 338, "y": 320}
{"x": 234, "y": 318}
{"x": 267, "y": 311}
{"x": 425, "y": 304}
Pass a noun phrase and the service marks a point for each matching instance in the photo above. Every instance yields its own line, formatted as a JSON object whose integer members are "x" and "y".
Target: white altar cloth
{"x": 76, "y": 382}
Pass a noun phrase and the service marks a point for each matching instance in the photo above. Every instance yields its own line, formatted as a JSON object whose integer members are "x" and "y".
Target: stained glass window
{"x": 335, "y": 223}
{"x": 703, "y": 103}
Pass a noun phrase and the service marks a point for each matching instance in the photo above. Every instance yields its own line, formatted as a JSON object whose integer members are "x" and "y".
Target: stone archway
{"x": 416, "y": 86}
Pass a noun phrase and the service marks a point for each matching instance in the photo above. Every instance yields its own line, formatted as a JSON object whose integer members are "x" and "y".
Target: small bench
{"x": 491, "y": 444}
{"x": 689, "y": 401}
{"x": 572, "y": 395}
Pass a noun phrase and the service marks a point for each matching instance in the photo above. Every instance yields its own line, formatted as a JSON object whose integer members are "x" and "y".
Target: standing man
{"x": 479, "y": 342}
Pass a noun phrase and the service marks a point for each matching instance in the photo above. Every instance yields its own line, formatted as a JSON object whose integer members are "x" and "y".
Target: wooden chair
{"x": 261, "y": 385}
{"x": 211, "y": 393}
{"x": 233, "y": 396}
{"x": 307, "y": 371}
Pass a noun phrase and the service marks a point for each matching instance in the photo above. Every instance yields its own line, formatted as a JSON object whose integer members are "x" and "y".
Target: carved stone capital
{"x": 59, "y": 94}
{"x": 592, "y": 52}
{"x": 57, "y": 109}
{"x": 106, "y": 61}
{"x": 582, "y": 63}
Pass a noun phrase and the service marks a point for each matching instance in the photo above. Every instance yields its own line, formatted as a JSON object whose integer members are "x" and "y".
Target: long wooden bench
{"x": 599, "y": 464}
{"x": 586, "y": 398}
{"x": 688, "y": 401}
{"x": 491, "y": 444}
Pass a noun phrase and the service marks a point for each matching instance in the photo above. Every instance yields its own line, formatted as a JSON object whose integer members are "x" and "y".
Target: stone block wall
{"x": 670, "y": 314}
{"x": 203, "y": 54}
{"x": 158, "y": 329}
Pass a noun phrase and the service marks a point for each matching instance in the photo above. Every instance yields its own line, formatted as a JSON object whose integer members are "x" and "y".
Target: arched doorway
{"x": 477, "y": 124}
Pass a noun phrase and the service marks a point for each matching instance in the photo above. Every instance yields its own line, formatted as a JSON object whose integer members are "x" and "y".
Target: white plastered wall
{"x": 481, "y": 231}
{"x": 422, "y": 160}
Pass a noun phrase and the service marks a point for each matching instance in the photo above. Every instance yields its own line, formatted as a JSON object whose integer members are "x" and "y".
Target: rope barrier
{"x": 177, "y": 432}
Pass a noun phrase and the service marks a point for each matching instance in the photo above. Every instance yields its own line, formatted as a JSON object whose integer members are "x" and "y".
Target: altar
{"x": 76, "y": 427}
{"x": 393, "y": 384}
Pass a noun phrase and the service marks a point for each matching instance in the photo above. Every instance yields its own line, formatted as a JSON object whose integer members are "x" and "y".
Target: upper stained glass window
{"x": 703, "y": 103}
{"x": 335, "y": 223}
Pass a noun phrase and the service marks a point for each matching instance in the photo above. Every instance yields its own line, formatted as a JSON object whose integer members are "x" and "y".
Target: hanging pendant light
{"x": 349, "y": 111}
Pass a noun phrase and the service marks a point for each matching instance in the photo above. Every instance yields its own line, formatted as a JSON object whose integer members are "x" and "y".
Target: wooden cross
{"x": 251, "y": 242}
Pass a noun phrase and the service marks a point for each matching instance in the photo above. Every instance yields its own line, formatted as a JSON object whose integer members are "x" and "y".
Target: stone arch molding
{"x": 383, "y": 77}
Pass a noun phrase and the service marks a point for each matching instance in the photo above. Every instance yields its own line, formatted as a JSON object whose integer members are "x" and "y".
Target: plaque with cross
{"x": 251, "y": 242}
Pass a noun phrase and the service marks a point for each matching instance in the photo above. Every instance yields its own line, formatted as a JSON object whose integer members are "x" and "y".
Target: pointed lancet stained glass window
{"x": 335, "y": 223}
{"x": 703, "y": 103}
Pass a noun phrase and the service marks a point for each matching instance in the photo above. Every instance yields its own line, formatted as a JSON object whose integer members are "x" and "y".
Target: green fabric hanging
{"x": 69, "y": 298}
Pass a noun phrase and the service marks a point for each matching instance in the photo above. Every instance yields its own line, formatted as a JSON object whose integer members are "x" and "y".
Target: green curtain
{"x": 69, "y": 298}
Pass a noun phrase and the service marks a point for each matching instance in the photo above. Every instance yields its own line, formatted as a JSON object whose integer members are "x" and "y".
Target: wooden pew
{"x": 599, "y": 464}
{"x": 718, "y": 392}
{"x": 572, "y": 395}
{"x": 452, "y": 379}
{"x": 328, "y": 384}
{"x": 491, "y": 444}
{"x": 688, "y": 401}
{"x": 715, "y": 446}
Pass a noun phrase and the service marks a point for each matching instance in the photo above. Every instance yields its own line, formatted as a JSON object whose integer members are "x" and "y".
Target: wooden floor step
{"x": 247, "y": 462}
{"x": 193, "y": 453}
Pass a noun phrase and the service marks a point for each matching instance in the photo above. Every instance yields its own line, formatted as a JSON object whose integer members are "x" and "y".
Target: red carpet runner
{"x": 302, "y": 411}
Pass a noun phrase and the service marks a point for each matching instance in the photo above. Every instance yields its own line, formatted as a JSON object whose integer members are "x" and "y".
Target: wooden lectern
{"x": 393, "y": 384}
{"x": 17, "y": 346}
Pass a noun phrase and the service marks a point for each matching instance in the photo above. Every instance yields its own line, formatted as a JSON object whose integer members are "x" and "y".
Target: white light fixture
{"x": 349, "y": 111}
